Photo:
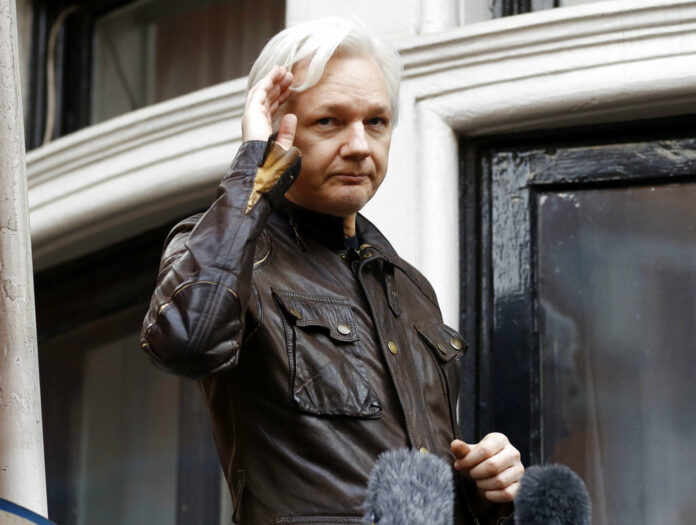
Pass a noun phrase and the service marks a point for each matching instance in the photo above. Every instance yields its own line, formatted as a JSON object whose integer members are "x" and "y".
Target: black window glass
{"x": 617, "y": 294}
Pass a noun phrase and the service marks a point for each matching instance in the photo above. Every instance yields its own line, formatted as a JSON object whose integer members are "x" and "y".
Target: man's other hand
{"x": 263, "y": 100}
{"x": 493, "y": 464}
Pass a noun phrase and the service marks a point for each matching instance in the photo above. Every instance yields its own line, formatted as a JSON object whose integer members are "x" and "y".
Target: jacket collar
{"x": 328, "y": 230}
{"x": 369, "y": 234}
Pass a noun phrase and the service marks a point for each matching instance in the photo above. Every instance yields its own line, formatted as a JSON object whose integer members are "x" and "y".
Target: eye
{"x": 377, "y": 122}
{"x": 324, "y": 121}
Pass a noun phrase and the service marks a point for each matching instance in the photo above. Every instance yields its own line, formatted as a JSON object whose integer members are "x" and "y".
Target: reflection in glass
{"x": 128, "y": 463}
{"x": 617, "y": 295}
{"x": 153, "y": 50}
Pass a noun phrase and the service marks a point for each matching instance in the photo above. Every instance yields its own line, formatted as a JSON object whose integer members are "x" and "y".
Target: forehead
{"x": 347, "y": 82}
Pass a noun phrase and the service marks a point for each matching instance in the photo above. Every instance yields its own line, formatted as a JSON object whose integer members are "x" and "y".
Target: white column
{"x": 438, "y": 15}
{"x": 22, "y": 471}
{"x": 438, "y": 158}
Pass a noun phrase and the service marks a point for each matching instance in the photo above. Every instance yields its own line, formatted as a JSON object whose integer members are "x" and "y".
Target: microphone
{"x": 407, "y": 487}
{"x": 552, "y": 495}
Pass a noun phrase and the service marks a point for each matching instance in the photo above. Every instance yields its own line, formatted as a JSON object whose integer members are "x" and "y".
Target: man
{"x": 315, "y": 345}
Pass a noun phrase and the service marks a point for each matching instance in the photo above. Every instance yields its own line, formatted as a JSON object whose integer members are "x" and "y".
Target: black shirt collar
{"x": 328, "y": 230}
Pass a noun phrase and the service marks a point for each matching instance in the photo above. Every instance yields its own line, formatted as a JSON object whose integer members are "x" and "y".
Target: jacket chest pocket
{"x": 445, "y": 345}
{"x": 327, "y": 375}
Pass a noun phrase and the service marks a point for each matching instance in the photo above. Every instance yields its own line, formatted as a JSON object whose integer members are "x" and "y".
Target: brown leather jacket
{"x": 313, "y": 358}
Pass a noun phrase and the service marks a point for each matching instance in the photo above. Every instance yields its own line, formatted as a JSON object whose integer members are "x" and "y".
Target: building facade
{"x": 541, "y": 176}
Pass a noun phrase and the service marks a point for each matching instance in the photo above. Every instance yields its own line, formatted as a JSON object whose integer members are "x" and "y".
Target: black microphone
{"x": 552, "y": 495}
{"x": 407, "y": 487}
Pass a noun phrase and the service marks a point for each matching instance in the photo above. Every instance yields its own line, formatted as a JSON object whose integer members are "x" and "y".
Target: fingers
{"x": 493, "y": 464}
{"x": 263, "y": 100}
{"x": 286, "y": 131}
{"x": 272, "y": 90}
{"x": 501, "y": 480}
{"x": 277, "y": 81}
{"x": 282, "y": 86}
{"x": 279, "y": 92}
{"x": 489, "y": 446}
{"x": 472, "y": 456}
{"x": 503, "y": 495}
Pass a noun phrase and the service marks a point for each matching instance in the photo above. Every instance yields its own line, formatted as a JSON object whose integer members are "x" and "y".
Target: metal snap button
{"x": 441, "y": 349}
{"x": 455, "y": 344}
{"x": 297, "y": 314}
{"x": 392, "y": 347}
{"x": 343, "y": 329}
{"x": 423, "y": 450}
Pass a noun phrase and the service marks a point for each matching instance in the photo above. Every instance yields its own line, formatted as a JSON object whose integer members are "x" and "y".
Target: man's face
{"x": 343, "y": 132}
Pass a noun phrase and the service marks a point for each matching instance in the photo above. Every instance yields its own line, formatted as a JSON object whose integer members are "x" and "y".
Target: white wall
{"x": 396, "y": 21}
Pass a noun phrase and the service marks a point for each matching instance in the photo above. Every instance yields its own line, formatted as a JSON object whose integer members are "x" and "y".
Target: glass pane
{"x": 129, "y": 429}
{"x": 154, "y": 50}
{"x": 617, "y": 294}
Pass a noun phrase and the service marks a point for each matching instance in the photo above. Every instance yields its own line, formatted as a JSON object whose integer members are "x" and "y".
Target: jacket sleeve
{"x": 195, "y": 323}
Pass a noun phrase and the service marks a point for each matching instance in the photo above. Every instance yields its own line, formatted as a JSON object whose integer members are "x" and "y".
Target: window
{"x": 154, "y": 50}
{"x": 501, "y": 8}
{"x": 108, "y": 57}
{"x": 617, "y": 272}
{"x": 580, "y": 265}
{"x": 125, "y": 443}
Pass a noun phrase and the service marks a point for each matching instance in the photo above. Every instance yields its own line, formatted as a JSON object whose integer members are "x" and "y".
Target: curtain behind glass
{"x": 617, "y": 290}
{"x": 129, "y": 429}
{"x": 159, "y": 49}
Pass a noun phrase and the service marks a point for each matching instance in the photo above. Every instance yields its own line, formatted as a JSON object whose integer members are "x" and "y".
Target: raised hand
{"x": 262, "y": 103}
{"x": 493, "y": 464}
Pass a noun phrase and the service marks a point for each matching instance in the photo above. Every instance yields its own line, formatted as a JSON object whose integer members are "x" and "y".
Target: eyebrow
{"x": 375, "y": 108}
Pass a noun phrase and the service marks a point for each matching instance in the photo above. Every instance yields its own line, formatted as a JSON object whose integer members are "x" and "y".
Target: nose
{"x": 356, "y": 144}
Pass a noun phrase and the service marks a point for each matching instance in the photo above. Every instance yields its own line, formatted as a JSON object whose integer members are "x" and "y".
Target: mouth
{"x": 351, "y": 177}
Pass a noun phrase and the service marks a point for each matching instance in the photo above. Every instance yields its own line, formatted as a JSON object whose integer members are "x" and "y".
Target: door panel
{"x": 585, "y": 309}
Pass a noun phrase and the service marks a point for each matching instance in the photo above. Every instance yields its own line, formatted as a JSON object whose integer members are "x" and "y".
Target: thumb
{"x": 459, "y": 448}
{"x": 286, "y": 131}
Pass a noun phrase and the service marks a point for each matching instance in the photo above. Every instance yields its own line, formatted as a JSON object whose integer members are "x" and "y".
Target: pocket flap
{"x": 445, "y": 342}
{"x": 328, "y": 312}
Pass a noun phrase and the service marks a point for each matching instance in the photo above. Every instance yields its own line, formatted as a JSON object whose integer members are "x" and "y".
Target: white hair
{"x": 321, "y": 39}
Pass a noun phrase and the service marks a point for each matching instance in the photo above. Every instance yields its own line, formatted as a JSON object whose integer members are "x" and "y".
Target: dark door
{"x": 581, "y": 294}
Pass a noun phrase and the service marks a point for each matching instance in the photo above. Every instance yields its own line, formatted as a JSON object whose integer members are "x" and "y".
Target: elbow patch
{"x": 186, "y": 339}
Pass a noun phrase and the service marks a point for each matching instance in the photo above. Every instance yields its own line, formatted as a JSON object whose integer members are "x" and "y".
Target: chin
{"x": 341, "y": 202}
{"x": 348, "y": 203}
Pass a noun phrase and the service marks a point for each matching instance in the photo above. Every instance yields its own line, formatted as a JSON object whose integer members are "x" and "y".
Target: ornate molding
{"x": 596, "y": 62}
{"x": 603, "y": 61}
{"x": 131, "y": 173}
